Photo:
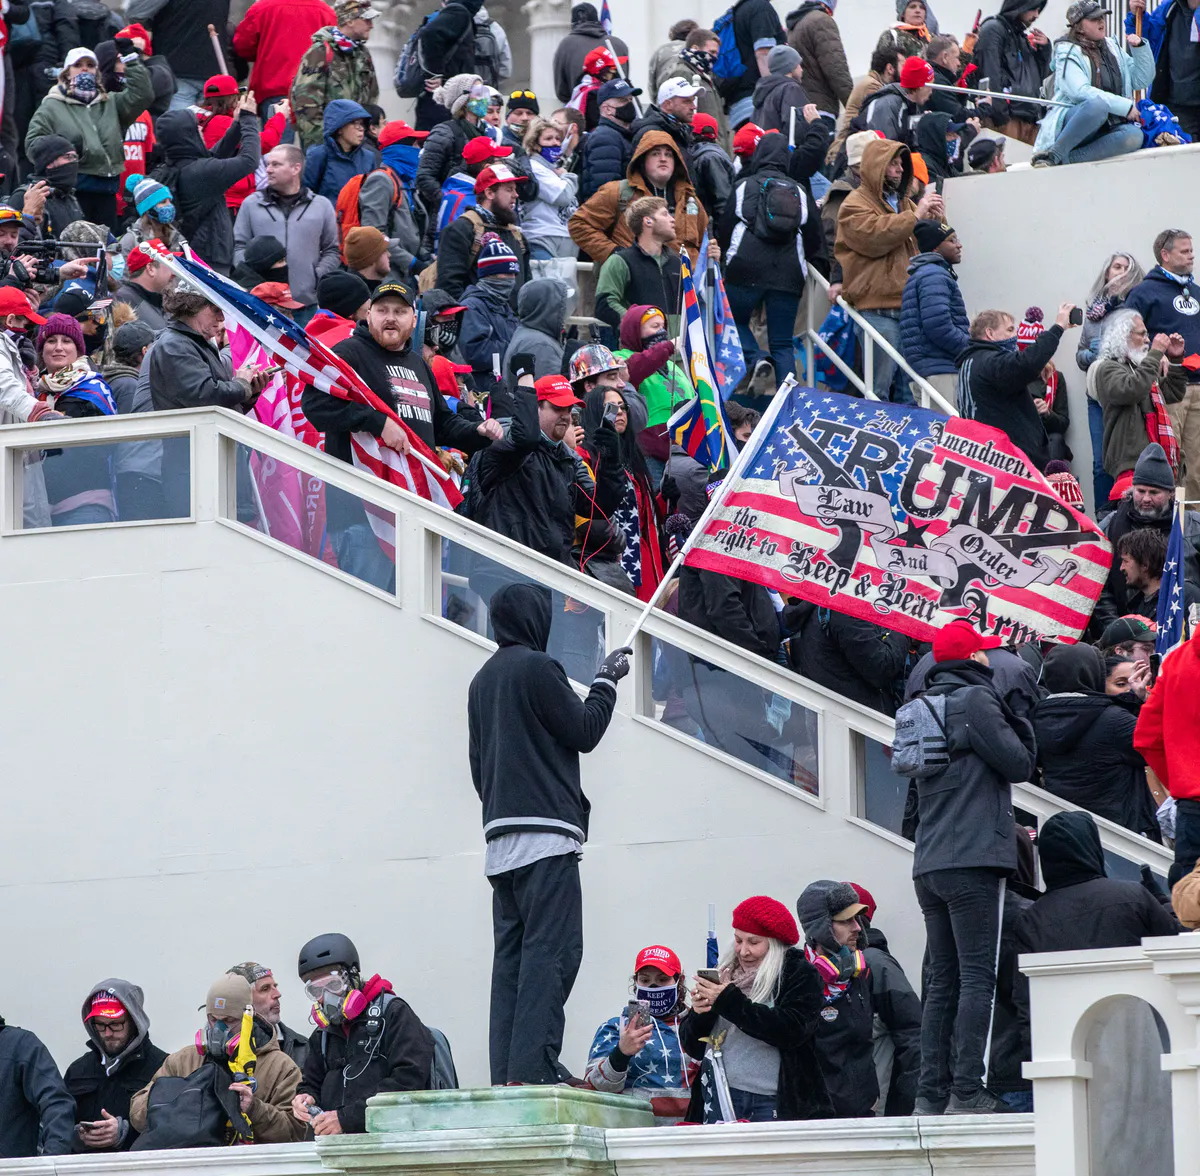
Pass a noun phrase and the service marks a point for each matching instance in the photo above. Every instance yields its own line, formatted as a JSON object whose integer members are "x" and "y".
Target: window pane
{"x": 332, "y": 525}
{"x": 882, "y": 792}
{"x": 737, "y": 716}
{"x": 470, "y": 580}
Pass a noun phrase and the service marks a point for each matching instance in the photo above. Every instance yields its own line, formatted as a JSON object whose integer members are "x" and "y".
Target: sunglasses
{"x": 523, "y": 94}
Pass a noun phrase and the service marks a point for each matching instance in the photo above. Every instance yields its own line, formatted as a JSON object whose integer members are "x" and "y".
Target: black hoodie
{"x": 1009, "y": 64}
{"x": 1085, "y": 741}
{"x": 527, "y": 725}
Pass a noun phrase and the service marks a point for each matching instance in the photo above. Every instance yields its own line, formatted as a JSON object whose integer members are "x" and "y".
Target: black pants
{"x": 1187, "y": 839}
{"x": 1189, "y": 120}
{"x": 99, "y": 207}
{"x": 537, "y": 922}
{"x": 962, "y": 925}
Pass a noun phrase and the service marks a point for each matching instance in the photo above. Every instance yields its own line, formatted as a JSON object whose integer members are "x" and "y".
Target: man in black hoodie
{"x": 965, "y": 845}
{"x": 527, "y": 728}
{"x": 994, "y": 378}
{"x": 120, "y": 1060}
{"x": 1013, "y": 59}
{"x": 447, "y": 44}
{"x": 587, "y": 33}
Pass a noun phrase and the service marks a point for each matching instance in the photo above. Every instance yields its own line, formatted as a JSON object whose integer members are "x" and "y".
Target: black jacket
{"x": 994, "y": 390}
{"x": 527, "y": 726}
{"x": 859, "y": 660}
{"x": 1083, "y": 909}
{"x": 186, "y": 371}
{"x": 62, "y": 209}
{"x": 441, "y": 157}
{"x": 965, "y": 812}
{"x": 1013, "y": 678}
{"x": 890, "y": 112}
{"x": 34, "y": 1103}
{"x": 95, "y": 1088}
{"x": 585, "y": 35}
{"x": 655, "y": 119}
{"x": 146, "y": 305}
{"x": 738, "y": 610}
{"x": 898, "y": 1019}
{"x": 775, "y": 96}
{"x": 199, "y": 178}
{"x": 1085, "y": 742}
{"x": 531, "y": 488}
{"x": 712, "y": 175}
{"x": 457, "y": 269}
{"x": 652, "y": 282}
{"x": 790, "y": 1025}
{"x": 294, "y": 1044}
{"x": 951, "y": 104}
{"x": 1006, "y": 58}
{"x": 606, "y": 153}
{"x": 180, "y": 30}
{"x": 386, "y": 1048}
{"x": 751, "y": 260}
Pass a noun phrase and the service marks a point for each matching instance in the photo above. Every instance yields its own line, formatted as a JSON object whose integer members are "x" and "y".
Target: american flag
{"x": 1173, "y": 626}
{"x": 906, "y": 518}
{"x": 311, "y": 362}
{"x": 606, "y": 19}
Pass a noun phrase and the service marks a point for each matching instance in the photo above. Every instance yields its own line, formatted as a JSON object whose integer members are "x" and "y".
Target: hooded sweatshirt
{"x": 542, "y": 310}
{"x": 328, "y": 168}
{"x": 1085, "y": 741}
{"x": 527, "y": 726}
{"x": 101, "y": 1083}
{"x": 487, "y": 326}
{"x": 1010, "y": 63}
{"x": 652, "y": 372}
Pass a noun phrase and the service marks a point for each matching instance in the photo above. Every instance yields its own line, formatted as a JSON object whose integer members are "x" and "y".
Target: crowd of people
{"x": 438, "y": 258}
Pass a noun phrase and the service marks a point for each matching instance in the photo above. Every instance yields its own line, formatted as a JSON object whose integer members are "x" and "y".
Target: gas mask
{"x": 219, "y": 1041}
{"x": 661, "y": 1000}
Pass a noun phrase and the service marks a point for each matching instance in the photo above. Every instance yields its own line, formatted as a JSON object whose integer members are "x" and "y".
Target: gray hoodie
{"x": 542, "y": 309}
{"x": 131, "y": 996}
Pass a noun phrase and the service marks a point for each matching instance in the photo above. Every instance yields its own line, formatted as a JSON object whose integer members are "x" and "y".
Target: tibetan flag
{"x": 906, "y": 518}
{"x": 700, "y": 426}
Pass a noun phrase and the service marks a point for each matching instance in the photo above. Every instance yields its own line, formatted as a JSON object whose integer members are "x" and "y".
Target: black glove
{"x": 669, "y": 489}
{"x": 615, "y": 665}
{"x": 124, "y": 45}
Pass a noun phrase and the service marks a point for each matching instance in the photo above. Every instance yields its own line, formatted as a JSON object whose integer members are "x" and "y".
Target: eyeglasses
{"x": 522, "y": 94}
{"x": 112, "y": 1029}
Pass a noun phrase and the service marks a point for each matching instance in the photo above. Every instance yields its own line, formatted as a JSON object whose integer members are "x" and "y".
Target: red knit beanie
{"x": 767, "y": 917}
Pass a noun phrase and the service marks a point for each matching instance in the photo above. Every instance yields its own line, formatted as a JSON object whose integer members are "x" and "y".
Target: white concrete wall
{"x": 1038, "y": 238}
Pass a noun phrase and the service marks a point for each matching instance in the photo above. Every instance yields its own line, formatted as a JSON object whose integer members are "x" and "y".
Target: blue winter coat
{"x": 606, "y": 155}
{"x": 487, "y": 329}
{"x": 327, "y": 168}
{"x": 933, "y": 317}
{"x": 1168, "y": 306}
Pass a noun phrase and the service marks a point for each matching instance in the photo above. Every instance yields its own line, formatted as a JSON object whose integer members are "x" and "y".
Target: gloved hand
{"x": 669, "y": 489}
{"x": 615, "y": 665}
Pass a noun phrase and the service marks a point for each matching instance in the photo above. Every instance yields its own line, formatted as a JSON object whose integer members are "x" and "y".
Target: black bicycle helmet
{"x": 327, "y": 951}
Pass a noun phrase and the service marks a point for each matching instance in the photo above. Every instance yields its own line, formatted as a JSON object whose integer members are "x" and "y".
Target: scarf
{"x": 837, "y": 974}
{"x": 742, "y": 977}
{"x": 78, "y": 380}
{"x": 1160, "y": 429}
{"x": 83, "y": 88}
{"x": 59, "y": 381}
{"x": 342, "y": 43}
{"x": 702, "y": 63}
{"x": 402, "y": 158}
{"x": 1051, "y": 390}
{"x": 1102, "y": 308}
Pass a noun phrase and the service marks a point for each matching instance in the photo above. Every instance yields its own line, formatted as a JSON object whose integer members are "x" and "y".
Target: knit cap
{"x": 364, "y": 244}
{"x": 782, "y": 59}
{"x": 915, "y": 73}
{"x": 47, "y": 149}
{"x": 1030, "y": 327}
{"x": 496, "y": 259}
{"x": 147, "y": 193}
{"x": 1152, "y": 468}
{"x": 767, "y": 917}
{"x": 1064, "y": 483}
{"x": 454, "y": 92}
{"x": 342, "y": 293}
{"x": 60, "y": 324}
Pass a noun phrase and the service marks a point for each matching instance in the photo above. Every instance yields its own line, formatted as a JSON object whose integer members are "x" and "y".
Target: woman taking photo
{"x": 636, "y": 520}
{"x": 80, "y": 110}
{"x": 544, "y": 220}
{"x": 766, "y": 1005}
{"x": 79, "y": 479}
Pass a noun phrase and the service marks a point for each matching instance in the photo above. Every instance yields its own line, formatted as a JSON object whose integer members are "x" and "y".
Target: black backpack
{"x": 487, "y": 55}
{"x": 779, "y": 213}
{"x": 196, "y": 1111}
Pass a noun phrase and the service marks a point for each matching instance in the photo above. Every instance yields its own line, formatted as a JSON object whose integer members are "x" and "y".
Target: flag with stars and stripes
{"x": 311, "y": 362}
{"x": 906, "y": 518}
{"x": 1173, "y": 625}
{"x": 700, "y": 426}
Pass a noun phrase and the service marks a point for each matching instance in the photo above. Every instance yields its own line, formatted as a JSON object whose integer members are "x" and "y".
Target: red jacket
{"x": 275, "y": 34}
{"x": 1167, "y": 732}
{"x": 213, "y": 131}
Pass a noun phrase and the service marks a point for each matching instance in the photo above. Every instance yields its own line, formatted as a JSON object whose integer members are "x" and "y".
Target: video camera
{"x": 43, "y": 252}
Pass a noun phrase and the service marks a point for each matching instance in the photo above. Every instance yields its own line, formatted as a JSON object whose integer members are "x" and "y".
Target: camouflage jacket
{"x": 327, "y": 73}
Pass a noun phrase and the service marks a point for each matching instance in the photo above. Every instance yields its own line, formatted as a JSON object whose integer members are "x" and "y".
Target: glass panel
{"x": 126, "y": 481}
{"x": 332, "y": 525}
{"x": 716, "y": 707}
{"x": 882, "y": 793}
{"x": 469, "y": 580}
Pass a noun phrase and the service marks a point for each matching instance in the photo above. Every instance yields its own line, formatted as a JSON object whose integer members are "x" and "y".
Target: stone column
{"x": 386, "y": 40}
{"x": 549, "y": 23}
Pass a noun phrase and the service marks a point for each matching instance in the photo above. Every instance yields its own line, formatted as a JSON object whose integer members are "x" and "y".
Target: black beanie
{"x": 342, "y": 293}
{"x": 47, "y": 149}
{"x": 264, "y": 252}
{"x": 930, "y": 234}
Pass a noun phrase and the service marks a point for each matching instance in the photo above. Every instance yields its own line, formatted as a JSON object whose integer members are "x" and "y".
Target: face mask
{"x": 1008, "y": 344}
{"x": 164, "y": 213}
{"x": 551, "y": 154}
{"x": 502, "y": 287}
{"x": 63, "y": 176}
{"x": 116, "y": 266}
{"x": 402, "y": 158}
{"x": 477, "y": 106}
{"x": 83, "y": 86}
{"x": 661, "y": 1000}
{"x": 442, "y": 336}
{"x": 657, "y": 337}
{"x": 624, "y": 113}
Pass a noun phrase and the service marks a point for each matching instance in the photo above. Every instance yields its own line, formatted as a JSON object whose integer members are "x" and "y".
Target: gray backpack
{"x": 920, "y": 748}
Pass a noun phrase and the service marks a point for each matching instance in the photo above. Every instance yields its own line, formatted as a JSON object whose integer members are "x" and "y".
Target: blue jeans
{"x": 1102, "y": 482}
{"x": 740, "y": 112}
{"x": 781, "y": 321}
{"x": 188, "y": 92}
{"x": 90, "y": 513}
{"x": 1021, "y": 1101}
{"x": 890, "y": 381}
{"x": 1082, "y": 140}
{"x": 359, "y": 554}
{"x": 754, "y": 1108}
{"x": 962, "y": 922}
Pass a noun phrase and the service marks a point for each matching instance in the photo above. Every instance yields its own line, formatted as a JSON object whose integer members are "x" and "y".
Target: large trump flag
{"x": 906, "y": 518}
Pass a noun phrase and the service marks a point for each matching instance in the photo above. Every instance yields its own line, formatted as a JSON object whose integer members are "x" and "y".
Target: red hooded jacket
{"x": 1167, "y": 733}
{"x": 213, "y": 131}
{"x": 275, "y": 34}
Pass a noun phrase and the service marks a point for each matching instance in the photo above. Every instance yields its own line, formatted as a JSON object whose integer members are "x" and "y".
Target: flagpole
{"x": 621, "y": 72}
{"x": 735, "y": 471}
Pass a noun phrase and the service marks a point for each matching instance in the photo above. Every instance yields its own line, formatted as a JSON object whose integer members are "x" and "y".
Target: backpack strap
{"x": 933, "y": 711}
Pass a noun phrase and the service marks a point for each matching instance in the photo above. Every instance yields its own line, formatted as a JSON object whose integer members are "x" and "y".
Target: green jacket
{"x": 664, "y": 391}
{"x": 327, "y": 73}
{"x": 97, "y": 129}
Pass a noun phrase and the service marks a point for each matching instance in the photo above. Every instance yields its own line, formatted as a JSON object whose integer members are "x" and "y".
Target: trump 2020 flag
{"x": 1172, "y": 619}
{"x": 730, "y": 360}
{"x": 606, "y": 19}
{"x": 908, "y": 519}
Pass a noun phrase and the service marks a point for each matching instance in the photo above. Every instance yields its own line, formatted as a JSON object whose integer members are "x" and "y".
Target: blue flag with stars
{"x": 1173, "y": 627}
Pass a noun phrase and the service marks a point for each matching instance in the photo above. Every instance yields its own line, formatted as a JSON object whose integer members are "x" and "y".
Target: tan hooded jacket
{"x": 271, "y": 1109}
{"x": 874, "y": 244}
{"x": 599, "y": 227}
